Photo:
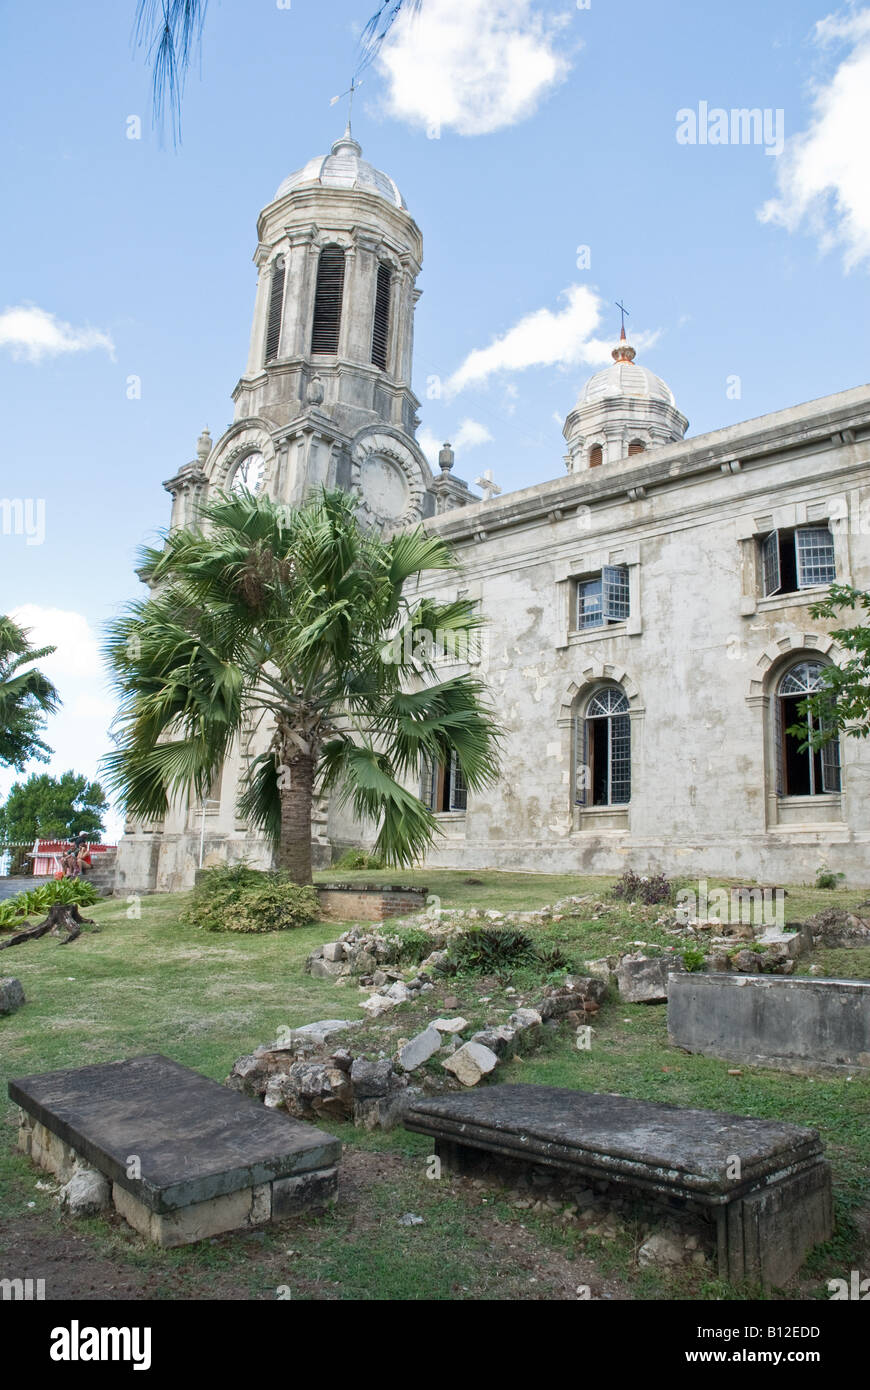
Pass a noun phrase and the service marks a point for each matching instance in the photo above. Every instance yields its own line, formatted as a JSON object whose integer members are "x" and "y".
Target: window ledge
{"x": 800, "y": 599}
{"x": 449, "y": 815}
{"x": 599, "y": 819}
{"x": 578, "y": 637}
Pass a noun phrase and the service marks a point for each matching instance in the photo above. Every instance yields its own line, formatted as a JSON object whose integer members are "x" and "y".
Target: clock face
{"x": 384, "y": 489}
{"x": 249, "y": 474}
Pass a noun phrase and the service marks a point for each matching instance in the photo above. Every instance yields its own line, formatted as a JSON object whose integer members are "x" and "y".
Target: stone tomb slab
{"x": 770, "y": 1208}
{"x": 204, "y": 1159}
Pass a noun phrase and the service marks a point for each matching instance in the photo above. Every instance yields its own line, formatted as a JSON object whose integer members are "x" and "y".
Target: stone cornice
{"x": 801, "y": 431}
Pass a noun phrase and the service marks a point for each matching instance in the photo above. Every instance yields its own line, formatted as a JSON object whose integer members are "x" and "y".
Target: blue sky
{"x": 558, "y": 130}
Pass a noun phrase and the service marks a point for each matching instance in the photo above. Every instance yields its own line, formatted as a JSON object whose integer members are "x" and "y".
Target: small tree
{"x": 843, "y": 703}
{"x": 26, "y": 697}
{"x": 54, "y": 808}
{"x": 283, "y": 618}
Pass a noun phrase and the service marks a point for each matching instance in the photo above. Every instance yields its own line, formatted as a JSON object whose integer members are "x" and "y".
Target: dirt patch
{"x": 77, "y": 1266}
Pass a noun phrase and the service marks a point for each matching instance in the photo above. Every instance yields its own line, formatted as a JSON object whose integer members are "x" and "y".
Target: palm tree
{"x": 26, "y": 697}
{"x": 286, "y": 618}
{"x": 171, "y": 30}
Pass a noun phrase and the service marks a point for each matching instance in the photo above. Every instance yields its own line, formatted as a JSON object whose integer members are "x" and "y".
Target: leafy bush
{"x": 37, "y": 901}
{"x": 241, "y": 899}
{"x": 358, "y": 859}
{"x": 414, "y": 944}
{"x": 488, "y": 950}
{"x": 826, "y": 879}
{"x": 693, "y": 958}
{"x": 554, "y": 959}
{"x": 633, "y": 888}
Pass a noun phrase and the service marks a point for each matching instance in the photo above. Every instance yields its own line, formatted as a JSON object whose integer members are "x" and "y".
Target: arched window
{"x": 636, "y": 446}
{"x": 327, "y": 301}
{"x": 811, "y": 772}
{"x": 603, "y": 772}
{"x": 381, "y": 324}
{"x": 276, "y": 307}
{"x": 596, "y": 456}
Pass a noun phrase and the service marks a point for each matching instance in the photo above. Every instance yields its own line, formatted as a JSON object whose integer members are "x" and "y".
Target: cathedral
{"x": 648, "y": 635}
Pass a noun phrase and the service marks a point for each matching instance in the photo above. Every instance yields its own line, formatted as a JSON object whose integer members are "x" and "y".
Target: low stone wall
{"x": 348, "y": 902}
{"x": 794, "y": 1023}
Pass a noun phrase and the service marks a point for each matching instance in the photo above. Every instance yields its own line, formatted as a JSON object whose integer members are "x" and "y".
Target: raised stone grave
{"x": 797, "y": 1023}
{"x": 186, "y": 1157}
{"x": 765, "y": 1184}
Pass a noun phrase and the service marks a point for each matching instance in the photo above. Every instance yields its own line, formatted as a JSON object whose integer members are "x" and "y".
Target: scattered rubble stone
{"x": 644, "y": 979}
{"x": 11, "y": 994}
{"x": 420, "y": 1049}
{"x": 470, "y": 1063}
{"x": 87, "y": 1193}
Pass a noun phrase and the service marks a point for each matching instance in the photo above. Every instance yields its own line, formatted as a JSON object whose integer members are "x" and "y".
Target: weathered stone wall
{"x": 699, "y": 657}
{"x": 794, "y": 1023}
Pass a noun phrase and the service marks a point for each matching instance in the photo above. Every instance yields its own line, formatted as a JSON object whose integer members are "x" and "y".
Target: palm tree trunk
{"x": 294, "y": 850}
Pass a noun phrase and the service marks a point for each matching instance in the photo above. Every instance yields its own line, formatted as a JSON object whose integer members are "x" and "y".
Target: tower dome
{"x": 343, "y": 167}
{"x": 623, "y": 410}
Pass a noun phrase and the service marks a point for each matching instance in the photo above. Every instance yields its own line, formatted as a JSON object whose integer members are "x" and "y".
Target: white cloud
{"x": 78, "y": 652}
{"x": 33, "y": 334}
{"x": 468, "y": 435}
{"x": 822, "y": 176}
{"x": 473, "y": 66}
{"x": 78, "y": 733}
{"x": 545, "y": 338}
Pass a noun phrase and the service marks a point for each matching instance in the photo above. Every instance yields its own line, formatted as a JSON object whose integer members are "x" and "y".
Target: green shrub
{"x": 488, "y": 950}
{"x": 358, "y": 859}
{"x": 693, "y": 958}
{"x": 241, "y": 899}
{"x": 554, "y": 960}
{"x": 826, "y": 879}
{"x": 414, "y": 944}
{"x": 37, "y": 901}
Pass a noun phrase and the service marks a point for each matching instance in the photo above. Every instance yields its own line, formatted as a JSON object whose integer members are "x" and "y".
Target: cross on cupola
{"x": 354, "y": 86}
{"x": 623, "y": 352}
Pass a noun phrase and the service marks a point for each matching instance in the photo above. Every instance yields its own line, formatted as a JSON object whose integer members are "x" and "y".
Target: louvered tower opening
{"x": 327, "y": 301}
{"x": 381, "y": 326}
{"x": 276, "y": 305}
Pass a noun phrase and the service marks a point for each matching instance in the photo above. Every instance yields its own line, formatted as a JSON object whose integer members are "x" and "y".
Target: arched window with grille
{"x": 328, "y": 295}
{"x": 813, "y": 772}
{"x": 276, "y": 309}
{"x": 636, "y": 446}
{"x": 596, "y": 456}
{"x": 381, "y": 324}
{"x": 603, "y": 745}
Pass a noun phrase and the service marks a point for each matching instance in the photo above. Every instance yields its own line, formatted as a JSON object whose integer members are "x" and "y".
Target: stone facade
{"x": 648, "y": 614}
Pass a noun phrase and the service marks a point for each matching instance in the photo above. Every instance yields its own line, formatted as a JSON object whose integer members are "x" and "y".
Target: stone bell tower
{"x": 326, "y": 398}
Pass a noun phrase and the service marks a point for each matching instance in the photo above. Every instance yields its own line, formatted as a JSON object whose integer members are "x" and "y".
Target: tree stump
{"x": 62, "y": 917}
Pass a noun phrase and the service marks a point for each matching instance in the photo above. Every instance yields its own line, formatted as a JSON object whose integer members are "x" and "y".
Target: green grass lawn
{"x": 154, "y": 984}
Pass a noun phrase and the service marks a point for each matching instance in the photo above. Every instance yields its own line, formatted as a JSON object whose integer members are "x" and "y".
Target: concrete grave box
{"x": 186, "y": 1157}
{"x": 797, "y": 1023}
{"x": 768, "y": 1211}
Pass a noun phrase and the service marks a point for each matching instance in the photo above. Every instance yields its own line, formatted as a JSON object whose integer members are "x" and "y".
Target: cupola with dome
{"x": 621, "y": 411}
